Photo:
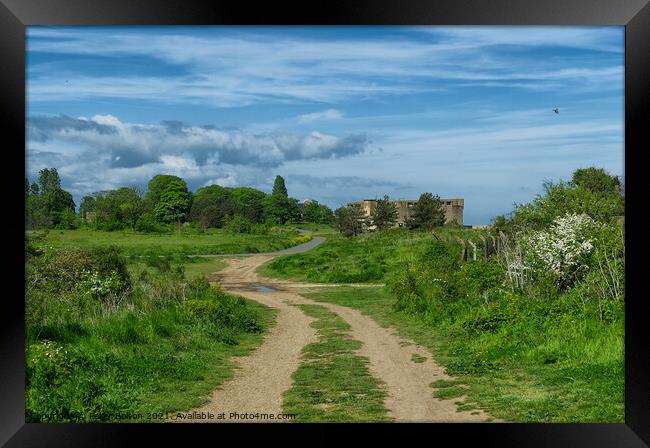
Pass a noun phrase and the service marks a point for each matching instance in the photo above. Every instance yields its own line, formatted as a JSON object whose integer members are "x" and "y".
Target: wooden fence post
{"x": 473, "y": 249}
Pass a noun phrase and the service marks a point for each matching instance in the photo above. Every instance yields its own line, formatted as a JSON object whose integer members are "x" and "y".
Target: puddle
{"x": 262, "y": 288}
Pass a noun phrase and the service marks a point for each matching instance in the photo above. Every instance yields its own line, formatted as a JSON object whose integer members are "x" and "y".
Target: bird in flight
{"x": 556, "y": 110}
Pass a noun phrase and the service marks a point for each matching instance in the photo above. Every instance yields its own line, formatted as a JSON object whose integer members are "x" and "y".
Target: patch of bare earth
{"x": 263, "y": 376}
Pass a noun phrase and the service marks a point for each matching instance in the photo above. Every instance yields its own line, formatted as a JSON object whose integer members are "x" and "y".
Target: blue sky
{"x": 342, "y": 113}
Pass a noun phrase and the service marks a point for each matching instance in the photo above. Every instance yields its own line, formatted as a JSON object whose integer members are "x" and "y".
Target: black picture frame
{"x": 15, "y": 15}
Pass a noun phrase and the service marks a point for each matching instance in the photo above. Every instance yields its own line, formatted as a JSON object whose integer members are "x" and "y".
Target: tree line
{"x": 166, "y": 201}
{"x": 427, "y": 213}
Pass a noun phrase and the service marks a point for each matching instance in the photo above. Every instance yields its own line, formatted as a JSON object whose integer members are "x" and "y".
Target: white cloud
{"x": 329, "y": 114}
{"x": 179, "y": 146}
{"x": 229, "y": 69}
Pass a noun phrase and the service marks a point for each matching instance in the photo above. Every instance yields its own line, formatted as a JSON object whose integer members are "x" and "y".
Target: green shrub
{"x": 482, "y": 275}
{"x": 68, "y": 219}
{"x": 237, "y": 224}
{"x": 146, "y": 223}
{"x": 225, "y": 311}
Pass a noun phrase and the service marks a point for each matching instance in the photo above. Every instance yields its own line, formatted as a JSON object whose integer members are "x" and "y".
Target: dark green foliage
{"x": 158, "y": 184}
{"x": 68, "y": 283}
{"x": 173, "y": 204}
{"x": 87, "y": 205}
{"x": 238, "y": 224}
{"x": 281, "y": 209}
{"x": 250, "y": 203}
{"x": 147, "y": 223}
{"x": 562, "y": 198}
{"x": 47, "y": 203}
{"x": 317, "y": 213}
{"x": 116, "y": 209}
{"x": 427, "y": 213}
{"x": 211, "y": 204}
{"x": 350, "y": 220}
{"x": 279, "y": 188}
{"x": 597, "y": 180}
{"x": 68, "y": 219}
{"x": 482, "y": 275}
{"x": 385, "y": 214}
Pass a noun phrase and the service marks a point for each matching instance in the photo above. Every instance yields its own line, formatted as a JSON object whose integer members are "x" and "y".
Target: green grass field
{"x": 317, "y": 229}
{"x": 133, "y": 366}
{"x": 216, "y": 241}
{"x": 333, "y": 384}
{"x": 196, "y": 266}
{"x": 365, "y": 259}
{"x": 530, "y": 370}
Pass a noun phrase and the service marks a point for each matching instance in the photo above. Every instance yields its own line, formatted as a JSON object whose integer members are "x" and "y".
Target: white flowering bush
{"x": 98, "y": 287}
{"x": 47, "y": 361}
{"x": 563, "y": 249}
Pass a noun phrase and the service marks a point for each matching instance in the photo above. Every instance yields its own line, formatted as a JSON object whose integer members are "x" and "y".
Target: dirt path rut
{"x": 263, "y": 376}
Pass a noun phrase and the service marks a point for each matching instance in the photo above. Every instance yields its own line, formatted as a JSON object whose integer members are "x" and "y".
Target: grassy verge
{"x": 132, "y": 366}
{"x": 107, "y": 342}
{"x": 332, "y": 383}
{"x": 317, "y": 229}
{"x": 197, "y": 266}
{"x": 369, "y": 258}
{"x": 526, "y": 371}
{"x": 216, "y": 241}
{"x": 193, "y": 266}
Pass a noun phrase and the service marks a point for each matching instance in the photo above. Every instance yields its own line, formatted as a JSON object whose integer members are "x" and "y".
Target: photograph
{"x": 325, "y": 224}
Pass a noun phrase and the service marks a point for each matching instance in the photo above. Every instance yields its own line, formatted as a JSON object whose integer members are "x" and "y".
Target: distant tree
{"x": 209, "y": 216}
{"x": 278, "y": 206}
{"x": 160, "y": 183}
{"x": 279, "y": 187}
{"x": 34, "y": 188}
{"x": 317, "y": 213}
{"x": 597, "y": 180}
{"x": 168, "y": 198}
{"x": 350, "y": 220}
{"x": 49, "y": 180}
{"x": 385, "y": 214}
{"x": 281, "y": 209}
{"x": 115, "y": 209}
{"x": 211, "y": 204}
{"x": 172, "y": 206}
{"x": 237, "y": 224}
{"x": 249, "y": 202}
{"x": 87, "y": 205}
{"x": 427, "y": 213}
{"x": 564, "y": 198}
{"x": 46, "y": 201}
{"x": 68, "y": 219}
{"x": 131, "y": 205}
{"x": 38, "y": 217}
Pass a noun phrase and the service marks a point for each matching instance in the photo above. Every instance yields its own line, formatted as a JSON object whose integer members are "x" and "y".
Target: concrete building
{"x": 453, "y": 209}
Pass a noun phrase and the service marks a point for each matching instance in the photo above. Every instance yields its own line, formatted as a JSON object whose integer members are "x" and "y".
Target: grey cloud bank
{"x": 132, "y": 145}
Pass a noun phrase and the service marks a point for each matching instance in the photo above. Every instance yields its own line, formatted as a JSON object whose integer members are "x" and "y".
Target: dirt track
{"x": 265, "y": 375}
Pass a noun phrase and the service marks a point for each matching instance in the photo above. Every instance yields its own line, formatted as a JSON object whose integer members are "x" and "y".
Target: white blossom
{"x": 562, "y": 248}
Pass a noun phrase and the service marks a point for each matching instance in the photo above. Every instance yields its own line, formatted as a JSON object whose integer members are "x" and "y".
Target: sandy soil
{"x": 263, "y": 376}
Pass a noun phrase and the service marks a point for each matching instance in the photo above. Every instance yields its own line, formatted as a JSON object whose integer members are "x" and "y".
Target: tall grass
{"x": 162, "y": 348}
